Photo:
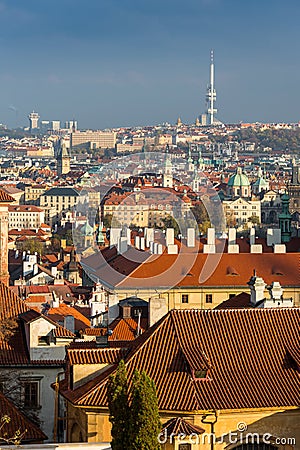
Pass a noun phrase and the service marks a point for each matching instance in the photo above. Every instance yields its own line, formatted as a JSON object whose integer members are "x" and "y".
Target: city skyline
{"x": 138, "y": 63}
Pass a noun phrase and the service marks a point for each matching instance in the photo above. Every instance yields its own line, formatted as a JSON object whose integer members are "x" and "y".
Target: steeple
{"x": 168, "y": 171}
{"x": 63, "y": 159}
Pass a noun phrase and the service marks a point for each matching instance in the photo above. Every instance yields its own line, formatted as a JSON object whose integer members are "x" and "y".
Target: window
{"x": 31, "y": 394}
{"x": 184, "y": 446}
{"x": 184, "y": 298}
{"x": 200, "y": 374}
{"x": 208, "y": 298}
{"x": 43, "y": 340}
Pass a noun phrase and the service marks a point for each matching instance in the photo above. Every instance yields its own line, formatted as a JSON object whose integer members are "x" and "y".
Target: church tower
{"x": 167, "y": 174}
{"x": 63, "y": 159}
{"x": 5, "y": 201}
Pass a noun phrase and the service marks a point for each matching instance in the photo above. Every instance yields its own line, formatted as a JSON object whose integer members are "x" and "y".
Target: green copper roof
{"x": 239, "y": 179}
{"x": 260, "y": 182}
{"x": 87, "y": 230}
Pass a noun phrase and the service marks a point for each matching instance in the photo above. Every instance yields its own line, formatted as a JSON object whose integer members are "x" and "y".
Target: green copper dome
{"x": 239, "y": 179}
{"x": 87, "y": 230}
{"x": 260, "y": 182}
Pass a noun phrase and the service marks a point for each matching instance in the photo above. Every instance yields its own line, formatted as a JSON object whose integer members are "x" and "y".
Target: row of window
{"x": 208, "y": 298}
{"x": 185, "y": 298}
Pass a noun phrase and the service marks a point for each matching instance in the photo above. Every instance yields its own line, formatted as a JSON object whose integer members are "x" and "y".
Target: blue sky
{"x": 135, "y": 62}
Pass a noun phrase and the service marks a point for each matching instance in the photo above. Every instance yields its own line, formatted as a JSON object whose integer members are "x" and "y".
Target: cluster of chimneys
{"x": 273, "y": 240}
{"x": 156, "y": 241}
{"x": 257, "y": 294}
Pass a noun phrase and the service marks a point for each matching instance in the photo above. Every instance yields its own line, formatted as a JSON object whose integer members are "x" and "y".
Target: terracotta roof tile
{"x": 241, "y": 300}
{"x": 212, "y": 270}
{"x": 19, "y": 421}
{"x": 58, "y": 314}
{"x": 5, "y": 198}
{"x": 10, "y": 304}
{"x": 179, "y": 426}
{"x": 246, "y": 348}
{"x": 94, "y": 355}
{"x": 126, "y": 329}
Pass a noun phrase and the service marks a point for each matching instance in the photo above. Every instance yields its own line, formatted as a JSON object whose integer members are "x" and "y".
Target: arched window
{"x": 76, "y": 435}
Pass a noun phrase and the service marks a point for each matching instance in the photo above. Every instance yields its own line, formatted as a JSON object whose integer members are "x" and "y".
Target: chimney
{"x": 257, "y": 289}
{"x": 55, "y": 300}
{"x": 157, "y": 308}
{"x": 69, "y": 323}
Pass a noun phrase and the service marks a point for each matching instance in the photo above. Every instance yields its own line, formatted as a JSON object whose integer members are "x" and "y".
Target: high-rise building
{"x": 33, "y": 121}
{"x": 55, "y": 125}
{"x": 95, "y": 139}
{"x": 71, "y": 125}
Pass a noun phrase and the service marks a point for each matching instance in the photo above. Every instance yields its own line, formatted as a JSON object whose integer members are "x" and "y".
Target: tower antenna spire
{"x": 211, "y": 94}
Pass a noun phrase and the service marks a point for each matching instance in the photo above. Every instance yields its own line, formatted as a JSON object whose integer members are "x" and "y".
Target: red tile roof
{"x": 126, "y": 329}
{"x": 214, "y": 270}
{"x": 179, "y": 426}
{"x": 5, "y": 198}
{"x": 10, "y": 304}
{"x": 94, "y": 355}
{"x": 241, "y": 300}
{"x": 58, "y": 314}
{"x": 249, "y": 350}
{"x": 18, "y": 421}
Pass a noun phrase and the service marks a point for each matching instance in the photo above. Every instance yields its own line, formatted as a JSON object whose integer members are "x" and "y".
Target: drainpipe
{"x": 211, "y": 418}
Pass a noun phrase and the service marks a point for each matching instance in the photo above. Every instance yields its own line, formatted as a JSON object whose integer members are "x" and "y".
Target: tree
{"x": 110, "y": 221}
{"x": 200, "y": 213}
{"x": 144, "y": 426}
{"x": 254, "y": 219}
{"x": 135, "y": 425}
{"x": 117, "y": 392}
{"x": 170, "y": 222}
{"x": 33, "y": 245}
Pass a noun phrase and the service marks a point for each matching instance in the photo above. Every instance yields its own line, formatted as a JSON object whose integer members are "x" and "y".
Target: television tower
{"x": 211, "y": 94}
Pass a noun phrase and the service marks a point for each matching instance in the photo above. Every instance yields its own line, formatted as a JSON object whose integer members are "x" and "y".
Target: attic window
{"x": 276, "y": 271}
{"x": 200, "y": 374}
{"x": 43, "y": 340}
{"x": 232, "y": 271}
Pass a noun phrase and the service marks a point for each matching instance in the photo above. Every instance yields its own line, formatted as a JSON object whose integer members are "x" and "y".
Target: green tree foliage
{"x": 135, "y": 425}
{"x": 145, "y": 424}
{"x": 254, "y": 219}
{"x": 170, "y": 222}
{"x": 110, "y": 221}
{"x": 32, "y": 246}
{"x": 117, "y": 392}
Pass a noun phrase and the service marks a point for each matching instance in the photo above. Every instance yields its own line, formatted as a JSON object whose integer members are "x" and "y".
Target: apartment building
{"x": 57, "y": 201}
{"x": 95, "y": 139}
{"x": 25, "y": 216}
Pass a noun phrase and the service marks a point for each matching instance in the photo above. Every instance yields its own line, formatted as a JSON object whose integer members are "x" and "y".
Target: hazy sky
{"x": 130, "y": 62}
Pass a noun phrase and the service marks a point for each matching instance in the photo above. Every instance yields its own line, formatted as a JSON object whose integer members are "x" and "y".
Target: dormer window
{"x": 44, "y": 340}
{"x": 200, "y": 374}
